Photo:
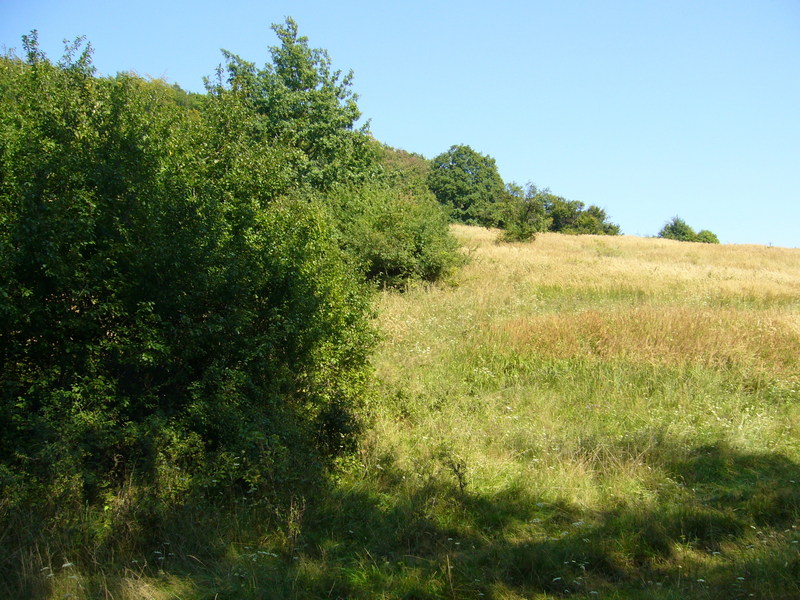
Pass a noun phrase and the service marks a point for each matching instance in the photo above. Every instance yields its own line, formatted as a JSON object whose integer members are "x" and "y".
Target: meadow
{"x": 579, "y": 416}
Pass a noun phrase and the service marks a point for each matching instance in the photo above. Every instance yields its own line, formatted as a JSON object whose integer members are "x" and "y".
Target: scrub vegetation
{"x": 245, "y": 355}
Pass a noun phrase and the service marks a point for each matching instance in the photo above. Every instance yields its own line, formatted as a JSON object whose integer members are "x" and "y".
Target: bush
{"x": 154, "y": 290}
{"x": 678, "y": 229}
{"x": 573, "y": 217}
{"x": 707, "y": 237}
{"x": 521, "y": 214}
{"x": 394, "y": 237}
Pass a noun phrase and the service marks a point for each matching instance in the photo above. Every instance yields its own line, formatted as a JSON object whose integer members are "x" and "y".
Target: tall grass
{"x": 575, "y": 417}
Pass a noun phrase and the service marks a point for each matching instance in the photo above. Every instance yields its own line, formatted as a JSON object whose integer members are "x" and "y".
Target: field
{"x": 581, "y": 416}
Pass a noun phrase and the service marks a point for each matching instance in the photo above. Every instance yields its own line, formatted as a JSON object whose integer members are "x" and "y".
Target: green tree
{"x": 594, "y": 221}
{"x": 467, "y": 183}
{"x": 707, "y": 237}
{"x": 572, "y": 216}
{"x": 564, "y": 214}
{"x": 521, "y": 213}
{"x": 304, "y": 107}
{"x": 678, "y": 229}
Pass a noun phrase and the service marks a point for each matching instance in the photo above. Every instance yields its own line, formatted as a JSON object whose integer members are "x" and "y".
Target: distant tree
{"x": 186, "y": 99}
{"x": 521, "y": 213}
{"x": 572, "y": 216}
{"x": 594, "y": 221}
{"x": 678, "y": 229}
{"x": 707, "y": 237}
{"x": 563, "y": 213}
{"x": 305, "y": 107}
{"x": 467, "y": 183}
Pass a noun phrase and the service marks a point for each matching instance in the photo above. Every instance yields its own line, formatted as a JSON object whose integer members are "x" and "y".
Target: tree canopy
{"x": 303, "y": 107}
{"x": 467, "y": 183}
{"x": 678, "y": 229}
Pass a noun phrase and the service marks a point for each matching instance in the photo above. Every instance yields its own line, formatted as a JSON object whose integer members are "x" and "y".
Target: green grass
{"x": 569, "y": 418}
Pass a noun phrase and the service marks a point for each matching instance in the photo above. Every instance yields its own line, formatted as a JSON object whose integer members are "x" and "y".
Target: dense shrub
{"x": 160, "y": 307}
{"x": 393, "y": 236}
{"x": 521, "y": 213}
{"x": 707, "y": 237}
{"x": 572, "y": 216}
{"x": 678, "y": 229}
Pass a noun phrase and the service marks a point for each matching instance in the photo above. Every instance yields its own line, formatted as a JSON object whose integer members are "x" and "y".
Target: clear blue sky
{"x": 649, "y": 109}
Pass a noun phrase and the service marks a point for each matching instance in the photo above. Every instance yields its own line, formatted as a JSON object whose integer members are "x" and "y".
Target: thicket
{"x": 393, "y": 228}
{"x": 394, "y": 238}
{"x": 179, "y": 312}
{"x": 678, "y": 229}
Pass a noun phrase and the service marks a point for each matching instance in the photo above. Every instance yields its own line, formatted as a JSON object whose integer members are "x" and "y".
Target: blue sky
{"x": 649, "y": 109}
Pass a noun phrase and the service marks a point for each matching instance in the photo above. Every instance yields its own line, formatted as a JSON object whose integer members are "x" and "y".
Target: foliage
{"x": 394, "y": 236}
{"x": 707, "y": 237}
{"x": 572, "y": 216}
{"x": 521, "y": 213}
{"x": 303, "y": 107}
{"x": 407, "y": 172}
{"x": 467, "y": 183}
{"x": 161, "y": 309}
{"x": 678, "y": 229}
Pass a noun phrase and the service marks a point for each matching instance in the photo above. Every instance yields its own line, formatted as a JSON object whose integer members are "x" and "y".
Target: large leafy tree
{"x": 304, "y": 107}
{"x": 467, "y": 183}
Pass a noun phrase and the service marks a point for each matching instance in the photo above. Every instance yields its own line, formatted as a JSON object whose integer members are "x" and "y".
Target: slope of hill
{"x": 600, "y": 414}
{"x": 585, "y": 417}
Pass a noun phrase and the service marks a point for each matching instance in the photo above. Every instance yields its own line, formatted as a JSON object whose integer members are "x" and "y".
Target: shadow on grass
{"x": 726, "y": 529}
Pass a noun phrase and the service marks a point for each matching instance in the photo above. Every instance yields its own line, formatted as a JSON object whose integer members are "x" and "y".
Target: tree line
{"x": 468, "y": 184}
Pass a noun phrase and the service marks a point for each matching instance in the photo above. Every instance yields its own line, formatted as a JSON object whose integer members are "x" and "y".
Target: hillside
{"x": 585, "y": 417}
{"x": 612, "y": 415}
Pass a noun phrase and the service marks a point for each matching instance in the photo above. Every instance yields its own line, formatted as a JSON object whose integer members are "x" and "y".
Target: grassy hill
{"x": 587, "y": 417}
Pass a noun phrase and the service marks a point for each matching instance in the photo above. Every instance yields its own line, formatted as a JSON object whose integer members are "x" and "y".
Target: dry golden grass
{"x": 649, "y": 267}
{"x": 646, "y": 336}
{"x": 675, "y": 335}
{"x": 646, "y": 300}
